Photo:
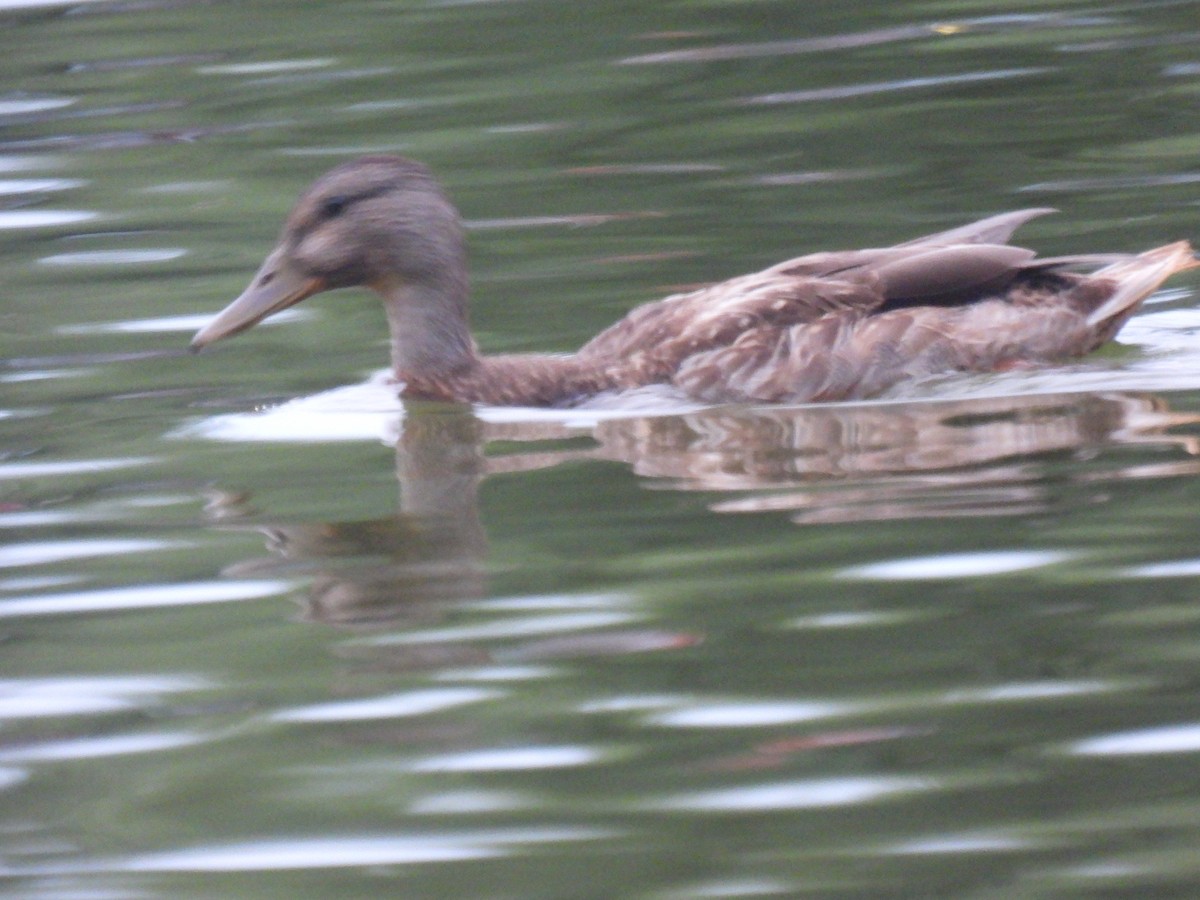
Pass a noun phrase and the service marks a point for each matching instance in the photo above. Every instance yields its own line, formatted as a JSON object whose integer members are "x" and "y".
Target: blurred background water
{"x": 263, "y": 637}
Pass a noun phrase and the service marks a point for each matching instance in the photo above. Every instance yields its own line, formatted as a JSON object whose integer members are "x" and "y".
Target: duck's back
{"x": 835, "y": 326}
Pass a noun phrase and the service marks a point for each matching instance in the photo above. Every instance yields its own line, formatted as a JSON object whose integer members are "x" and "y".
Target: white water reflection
{"x": 166, "y": 324}
{"x": 270, "y": 856}
{"x": 21, "y": 106}
{"x": 752, "y": 714}
{"x": 813, "y": 794}
{"x": 470, "y": 802}
{"x": 510, "y": 759}
{"x": 37, "y": 185}
{"x": 9, "y": 163}
{"x": 269, "y": 67}
{"x": 45, "y": 375}
{"x": 97, "y": 747}
{"x": 145, "y": 596}
{"x": 931, "y": 30}
{"x": 359, "y": 412}
{"x": 1183, "y": 568}
{"x": 498, "y": 673}
{"x": 633, "y": 703}
{"x": 38, "y": 469}
{"x": 41, "y": 518}
{"x": 956, "y": 565}
{"x": 335, "y": 852}
{"x": 971, "y": 842}
{"x": 757, "y": 713}
{"x": 113, "y": 257}
{"x": 733, "y": 887}
{"x": 1032, "y": 690}
{"x": 48, "y": 697}
{"x": 905, "y": 84}
{"x": 38, "y": 583}
{"x": 1168, "y": 739}
{"x": 412, "y": 703}
{"x": 41, "y": 553}
{"x": 866, "y": 618}
{"x": 43, "y": 218}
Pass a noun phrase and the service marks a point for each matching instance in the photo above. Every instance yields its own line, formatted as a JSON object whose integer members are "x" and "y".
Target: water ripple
{"x": 469, "y": 802}
{"x": 508, "y": 628}
{"x": 272, "y": 67}
{"x": 43, "y": 218}
{"x": 20, "y": 106}
{"x": 168, "y": 324}
{"x": 498, "y": 673}
{"x": 150, "y": 596}
{"x": 34, "y": 698}
{"x": 752, "y": 714}
{"x": 113, "y": 257}
{"x": 270, "y": 856}
{"x": 33, "y": 554}
{"x": 970, "y": 842}
{"x": 411, "y": 703}
{"x": 1168, "y": 739}
{"x": 94, "y": 747}
{"x": 335, "y": 852}
{"x": 812, "y": 794}
{"x": 794, "y": 46}
{"x": 865, "y": 618}
{"x": 9, "y": 470}
{"x": 1115, "y": 182}
{"x": 1182, "y": 568}
{"x": 509, "y": 759}
{"x": 903, "y": 84}
{"x": 691, "y": 713}
{"x": 37, "y": 185}
{"x": 956, "y": 565}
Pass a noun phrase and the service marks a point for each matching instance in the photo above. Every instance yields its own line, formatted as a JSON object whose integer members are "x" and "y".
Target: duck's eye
{"x": 332, "y": 207}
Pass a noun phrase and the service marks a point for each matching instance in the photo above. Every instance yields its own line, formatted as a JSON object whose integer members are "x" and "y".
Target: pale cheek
{"x": 323, "y": 251}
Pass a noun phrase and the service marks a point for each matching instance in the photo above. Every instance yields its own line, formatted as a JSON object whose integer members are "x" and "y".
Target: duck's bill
{"x": 276, "y": 286}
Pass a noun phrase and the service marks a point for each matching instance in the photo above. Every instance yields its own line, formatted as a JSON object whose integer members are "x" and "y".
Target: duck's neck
{"x": 435, "y": 357}
{"x": 431, "y": 337}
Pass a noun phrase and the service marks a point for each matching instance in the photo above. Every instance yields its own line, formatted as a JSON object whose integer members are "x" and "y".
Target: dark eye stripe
{"x": 333, "y": 206}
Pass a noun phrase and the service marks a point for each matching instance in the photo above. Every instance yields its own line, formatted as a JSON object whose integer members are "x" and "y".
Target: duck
{"x": 827, "y": 326}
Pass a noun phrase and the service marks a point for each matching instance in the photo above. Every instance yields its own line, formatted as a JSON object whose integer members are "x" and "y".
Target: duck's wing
{"x": 651, "y": 342}
{"x": 992, "y": 230}
{"x": 658, "y": 336}
{"x": 846, "y": 324}
{"x": 1041, "y": 315}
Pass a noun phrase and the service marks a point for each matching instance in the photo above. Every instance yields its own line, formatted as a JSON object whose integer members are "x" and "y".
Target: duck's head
{"x": 381, "y": 222}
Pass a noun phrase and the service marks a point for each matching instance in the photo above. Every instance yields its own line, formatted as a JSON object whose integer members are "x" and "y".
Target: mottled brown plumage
{"x": 828, "y": 326}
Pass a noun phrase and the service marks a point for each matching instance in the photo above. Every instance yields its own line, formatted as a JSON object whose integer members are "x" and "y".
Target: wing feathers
{"x": 992, "y": 230}
{"x": 843, "y": 325}
{"x": 948, "y": 274}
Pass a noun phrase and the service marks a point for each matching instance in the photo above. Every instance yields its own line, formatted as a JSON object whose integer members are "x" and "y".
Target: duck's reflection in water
{"x": 407, "y": 566}
{"x": 837, "y": 463}
{"x": 872, "y": 462}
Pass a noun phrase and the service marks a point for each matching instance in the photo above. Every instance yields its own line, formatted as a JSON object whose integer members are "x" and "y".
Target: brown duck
{"x": 828, "y": 326}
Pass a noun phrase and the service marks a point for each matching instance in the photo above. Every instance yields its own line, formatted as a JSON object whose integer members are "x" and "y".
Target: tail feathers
{"x": 1140, "y": 276}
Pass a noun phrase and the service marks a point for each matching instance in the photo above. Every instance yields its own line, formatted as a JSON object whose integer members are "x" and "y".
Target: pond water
{"x": 266, "y": 634}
